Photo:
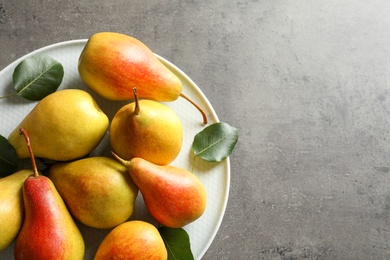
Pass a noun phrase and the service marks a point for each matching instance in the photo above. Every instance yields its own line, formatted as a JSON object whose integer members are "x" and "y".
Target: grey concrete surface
{"x": 307, "y": 83}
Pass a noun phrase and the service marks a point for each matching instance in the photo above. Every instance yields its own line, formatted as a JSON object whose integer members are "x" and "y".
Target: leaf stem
{"x": 8, "y": 95}
{"x": 193, "y": 164}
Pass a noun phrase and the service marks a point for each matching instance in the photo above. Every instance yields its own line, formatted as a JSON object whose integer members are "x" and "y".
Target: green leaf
{"x": 177, "y": 243}
{"x": 37, "y": 76}
{"x": 8, "y": 158}
{"x": 215, "y": 142}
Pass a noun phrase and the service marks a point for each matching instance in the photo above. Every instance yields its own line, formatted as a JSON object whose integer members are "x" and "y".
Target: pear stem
{"x": 136, "y": 109}
{"x": 122, "y": 161}
{"x": 197, "y": 107}
{"x": 34, "y": 165}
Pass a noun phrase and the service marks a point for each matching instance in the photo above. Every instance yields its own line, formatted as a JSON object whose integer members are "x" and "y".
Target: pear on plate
{"x": 173, "y": 196}
{"x": 65, "y": 125}
{"x": 112, "y": 64}
{"x": 147, "y": 129}
{"x": 48, "y": 230}
{"x": 11, "y": 206}
{"x": 134, "y": 239}
{"x": 98, "y": 191}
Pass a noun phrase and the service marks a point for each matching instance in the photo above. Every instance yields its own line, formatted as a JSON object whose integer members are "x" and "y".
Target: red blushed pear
{"x": 112, "y": 64}
{"x": 174, "y": 196}
{"x": 134, "y": 239}
{"x": 48, "y": 230}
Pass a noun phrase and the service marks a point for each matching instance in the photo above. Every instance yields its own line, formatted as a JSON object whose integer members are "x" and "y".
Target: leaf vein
{"x": 36, "y": 78}
{"x": 7, "y": 161}
{"x": 168, "y": 246}
{"x": 212, "y": 144}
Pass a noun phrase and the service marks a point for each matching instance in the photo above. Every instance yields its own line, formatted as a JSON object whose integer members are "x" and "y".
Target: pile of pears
{"x": 40, "y": 211}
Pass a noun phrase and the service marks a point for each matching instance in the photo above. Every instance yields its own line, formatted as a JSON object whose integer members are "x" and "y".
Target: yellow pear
{"x": 132, "y": 240}
{"x": 146, "y": 129}
{"x": 97, "y": 190}
{"x": 65, "y": 125}
{"x": 11, "y": 206}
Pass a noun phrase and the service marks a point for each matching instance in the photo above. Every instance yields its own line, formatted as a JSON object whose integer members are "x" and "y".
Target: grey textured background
{"x": 305, "y": 82}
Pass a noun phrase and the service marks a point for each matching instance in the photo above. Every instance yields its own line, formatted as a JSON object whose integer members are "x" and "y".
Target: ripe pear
{"x": 48, "y": 230}
{"x": 134, "y": 239}
{"x": 112, "y": 64}
{"x": 65, "y": 125}
{"x": 11, "y": 206}
{"x": 146, "y": 129}
{"x": 173, "y": 196}
{"x": 97, "y": 190}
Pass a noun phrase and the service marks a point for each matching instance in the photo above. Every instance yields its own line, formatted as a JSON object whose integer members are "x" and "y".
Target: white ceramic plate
{"x": 215, "y": 176}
